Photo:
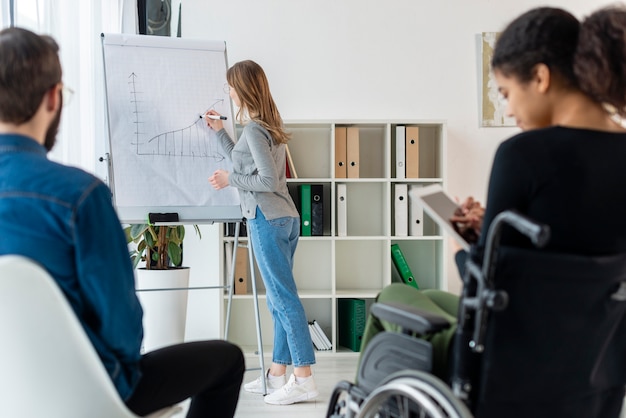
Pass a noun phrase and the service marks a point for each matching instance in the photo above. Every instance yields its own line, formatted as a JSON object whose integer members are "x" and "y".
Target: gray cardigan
{"x": 259, "y": 172}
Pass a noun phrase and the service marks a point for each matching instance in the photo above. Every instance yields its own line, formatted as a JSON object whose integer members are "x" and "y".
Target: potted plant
{"x": 161, "y": 247}
{"x": 162, "y": 283}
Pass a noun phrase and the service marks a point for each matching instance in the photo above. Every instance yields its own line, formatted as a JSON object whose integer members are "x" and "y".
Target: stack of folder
{"x": 351, "y": 317}
{"x": 311, "y": 206}
{"x": 408, "y": 212}
{"x": 347, "y": 152}
{"x": 319, "y": 338}
{"x": 407, "y": 152}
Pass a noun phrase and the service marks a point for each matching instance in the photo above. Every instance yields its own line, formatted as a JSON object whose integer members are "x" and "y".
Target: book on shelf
{"x": 290, "y": 169}
{"x": 315, "y": 338}
{"x": 322, "y": 334}
{"x": 320, "y": 341}
{"x": 402, "y": 266}
{"x": 351, "y": 316}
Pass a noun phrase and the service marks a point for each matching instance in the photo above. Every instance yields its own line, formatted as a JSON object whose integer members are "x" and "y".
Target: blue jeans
{"x": 274, "y": 244}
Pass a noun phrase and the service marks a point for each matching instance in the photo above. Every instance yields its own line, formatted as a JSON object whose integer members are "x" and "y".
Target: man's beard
{"x": 53, "y": 130}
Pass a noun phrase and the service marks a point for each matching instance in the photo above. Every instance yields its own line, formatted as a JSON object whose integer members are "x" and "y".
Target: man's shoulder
{"x": 76, "y": 182}
{"x": 73, "y": 174}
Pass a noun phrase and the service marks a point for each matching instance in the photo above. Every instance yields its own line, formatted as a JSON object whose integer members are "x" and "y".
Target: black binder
{"x": 317, "y": 209}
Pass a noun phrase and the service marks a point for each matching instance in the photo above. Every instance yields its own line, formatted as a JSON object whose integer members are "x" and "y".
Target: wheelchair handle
{"x": 539, "y": 234}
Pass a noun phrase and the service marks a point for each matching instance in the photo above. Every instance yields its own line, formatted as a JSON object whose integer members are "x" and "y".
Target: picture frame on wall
{"x": 493, "y": 106}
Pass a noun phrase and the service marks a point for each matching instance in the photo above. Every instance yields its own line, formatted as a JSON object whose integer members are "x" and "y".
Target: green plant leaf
{"x": 136, "y": 231}
{"x": 150, "y": 239}
{"x": 174, "y": 252}
{"x": 135, "y": 260}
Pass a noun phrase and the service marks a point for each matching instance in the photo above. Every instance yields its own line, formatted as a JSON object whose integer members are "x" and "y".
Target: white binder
{"x": 342, "y": 210}
{"x": 401, "y": 205}
{"x": 416, "y": 216}
{"x": 400, "y": 152}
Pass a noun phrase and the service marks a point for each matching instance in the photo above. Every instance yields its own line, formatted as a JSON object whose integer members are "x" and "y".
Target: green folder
{"x": 351, "y": 317}
{"x": 403, "y": 267}
{"x": 305, "y": 209}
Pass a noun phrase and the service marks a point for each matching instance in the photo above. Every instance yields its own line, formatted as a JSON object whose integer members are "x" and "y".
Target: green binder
{"x": 304, "y": 190}
{"x": 351, "y": 318}
{"x": 403, "y": 267}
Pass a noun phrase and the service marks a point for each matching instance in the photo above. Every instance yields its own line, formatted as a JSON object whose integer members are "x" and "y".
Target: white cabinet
{"x": 357, "y": 264}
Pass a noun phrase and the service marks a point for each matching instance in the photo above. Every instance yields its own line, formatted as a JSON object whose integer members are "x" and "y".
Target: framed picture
{"x": 493, "y": 107}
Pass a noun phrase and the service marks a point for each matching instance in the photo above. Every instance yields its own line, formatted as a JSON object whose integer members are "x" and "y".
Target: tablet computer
{"x": 440, "y": 207}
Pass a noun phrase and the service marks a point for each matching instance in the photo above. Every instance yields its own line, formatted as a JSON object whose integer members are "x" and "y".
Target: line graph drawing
{"x": 192, "y": 140}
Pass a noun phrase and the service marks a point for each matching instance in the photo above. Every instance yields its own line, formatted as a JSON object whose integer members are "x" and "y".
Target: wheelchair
{"x": 509, "y": 357}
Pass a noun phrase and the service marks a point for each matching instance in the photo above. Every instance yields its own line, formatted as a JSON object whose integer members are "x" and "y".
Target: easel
{"x": 125, "y": 55}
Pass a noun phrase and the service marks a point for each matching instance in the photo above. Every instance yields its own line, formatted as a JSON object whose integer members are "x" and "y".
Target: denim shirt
{"x": 63, "y": 218}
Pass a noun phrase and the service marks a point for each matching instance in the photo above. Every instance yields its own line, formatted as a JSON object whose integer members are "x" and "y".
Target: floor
{"x": 330, "y": 369}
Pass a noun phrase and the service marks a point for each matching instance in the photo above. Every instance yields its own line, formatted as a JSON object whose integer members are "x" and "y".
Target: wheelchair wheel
{"x": 412, "y": 394}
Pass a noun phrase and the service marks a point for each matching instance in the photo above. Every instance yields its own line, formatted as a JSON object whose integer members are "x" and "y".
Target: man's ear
{"x": 542, "y": 77}
{"x": 53, "y": 98}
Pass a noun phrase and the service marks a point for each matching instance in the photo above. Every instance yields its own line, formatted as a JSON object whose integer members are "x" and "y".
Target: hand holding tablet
{"x": 460, "y": 221}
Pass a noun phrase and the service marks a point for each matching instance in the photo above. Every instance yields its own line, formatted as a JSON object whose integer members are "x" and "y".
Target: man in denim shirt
{"x": 63, "y": 218}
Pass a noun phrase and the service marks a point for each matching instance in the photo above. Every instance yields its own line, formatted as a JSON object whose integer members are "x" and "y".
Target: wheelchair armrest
{"x": 409, "y": 317}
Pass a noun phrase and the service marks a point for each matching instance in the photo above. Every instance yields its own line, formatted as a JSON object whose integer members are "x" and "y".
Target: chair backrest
{"x": 563, "y": 333}
{"x": 48, "y": 366}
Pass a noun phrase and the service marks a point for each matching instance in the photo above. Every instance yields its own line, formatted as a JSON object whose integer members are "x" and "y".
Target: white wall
{"x": 359, "y": 59}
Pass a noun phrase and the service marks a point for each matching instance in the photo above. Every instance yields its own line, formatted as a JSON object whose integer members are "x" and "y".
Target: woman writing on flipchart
{"x": 273, "y": 223}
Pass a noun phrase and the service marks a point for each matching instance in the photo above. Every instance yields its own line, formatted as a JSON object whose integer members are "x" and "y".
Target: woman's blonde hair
{"x": 250, "y": 83}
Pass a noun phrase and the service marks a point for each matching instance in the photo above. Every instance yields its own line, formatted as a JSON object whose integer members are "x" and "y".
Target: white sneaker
{"x": 272, "y": 385}
{"x": 293, "y": 392}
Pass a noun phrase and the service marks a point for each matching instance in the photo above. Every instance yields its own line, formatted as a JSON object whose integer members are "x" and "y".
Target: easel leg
{"x": 231, "y": 280}
{"x": 256, "y": 314}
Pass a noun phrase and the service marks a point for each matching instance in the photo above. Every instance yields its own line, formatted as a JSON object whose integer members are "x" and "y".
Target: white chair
{"x": 48, "y": 366}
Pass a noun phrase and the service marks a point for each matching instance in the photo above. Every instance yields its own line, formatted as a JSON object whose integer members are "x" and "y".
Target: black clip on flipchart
{"x": 154, "y": 218}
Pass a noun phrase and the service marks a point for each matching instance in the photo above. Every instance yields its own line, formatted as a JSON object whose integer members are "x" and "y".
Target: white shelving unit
{"x": 358, "y": 265}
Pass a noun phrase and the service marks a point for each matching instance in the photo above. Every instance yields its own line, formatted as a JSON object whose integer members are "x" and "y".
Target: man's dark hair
{"x": 29, "y": 67}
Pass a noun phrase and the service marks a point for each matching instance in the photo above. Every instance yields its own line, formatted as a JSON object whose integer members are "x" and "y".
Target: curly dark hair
{"x": 600, "y": 61}
{"x": 588, "y": 56}
{"x": 542, "y": 35}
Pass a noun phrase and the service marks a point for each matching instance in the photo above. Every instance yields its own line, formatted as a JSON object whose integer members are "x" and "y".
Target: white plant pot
{"x": 164, "y": 311}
